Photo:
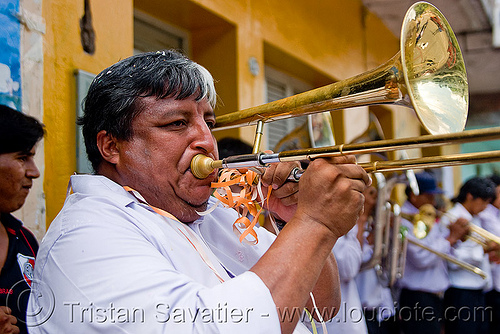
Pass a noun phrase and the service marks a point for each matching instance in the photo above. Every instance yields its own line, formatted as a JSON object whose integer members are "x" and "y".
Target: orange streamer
{"x": 245, "y": 202}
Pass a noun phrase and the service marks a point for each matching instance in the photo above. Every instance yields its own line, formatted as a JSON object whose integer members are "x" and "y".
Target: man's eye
{"x": 176, "y": 124}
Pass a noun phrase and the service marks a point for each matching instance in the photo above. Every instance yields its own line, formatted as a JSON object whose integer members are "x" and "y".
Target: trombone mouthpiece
{"x": 202, "y": 166}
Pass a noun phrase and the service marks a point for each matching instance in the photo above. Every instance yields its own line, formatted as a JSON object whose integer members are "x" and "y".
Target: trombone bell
{"x": 427, "y": 74}
{"x": 434, "y": 70}
{"x": 423, "y": 221}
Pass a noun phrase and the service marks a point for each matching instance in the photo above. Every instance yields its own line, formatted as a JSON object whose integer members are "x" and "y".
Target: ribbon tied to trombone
{"x": 242, "y": 191}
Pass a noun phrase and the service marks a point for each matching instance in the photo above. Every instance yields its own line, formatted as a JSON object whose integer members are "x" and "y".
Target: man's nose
{"x": 32, "y": 171}
{"x": 204, "y": 139}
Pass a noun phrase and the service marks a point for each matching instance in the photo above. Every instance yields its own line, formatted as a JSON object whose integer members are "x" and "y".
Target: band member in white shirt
{"x": 464, "y": 299}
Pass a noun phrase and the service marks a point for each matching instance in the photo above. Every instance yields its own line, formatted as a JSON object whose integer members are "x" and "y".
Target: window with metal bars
{"x": 280, "y": 85}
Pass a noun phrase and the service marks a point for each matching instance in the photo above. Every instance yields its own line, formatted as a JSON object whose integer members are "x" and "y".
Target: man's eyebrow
{"x": 167, "y": 115}
{"x": 172, "y": 112}
{"x": 183, "y": 112}
{"x": 28, "y": 153}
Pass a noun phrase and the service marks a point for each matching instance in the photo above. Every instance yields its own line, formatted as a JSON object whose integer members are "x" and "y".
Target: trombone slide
{"x": 449, "y": 258}
{"x": 202, "y": 166}
{"x": 486, "y": 235}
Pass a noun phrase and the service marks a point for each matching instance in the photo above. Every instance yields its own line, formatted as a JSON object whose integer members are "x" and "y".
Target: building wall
{"x": 318, "y": 41}
{"x": 31, "y": 55}
{"x": 63, "y": 55}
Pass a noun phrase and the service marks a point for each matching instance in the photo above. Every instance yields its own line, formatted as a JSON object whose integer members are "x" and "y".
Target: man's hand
{"x": 331, "y": 193}
{"x": 493, "y": 251}
{"x": 458, "y": 230}
{"x": 7, "y": 321}
{"x": 284, "y": 196}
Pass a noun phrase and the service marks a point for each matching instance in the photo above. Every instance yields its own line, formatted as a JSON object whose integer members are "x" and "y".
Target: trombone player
{"x": 376, "y": 297}
{"x": 425, "y": 277}
{"x": 464, "y": 299}
{"x": 156, "y": 258}
{"x": 490, "y": 221}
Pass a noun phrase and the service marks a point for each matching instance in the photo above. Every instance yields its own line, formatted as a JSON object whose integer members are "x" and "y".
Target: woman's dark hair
{"x": 478, "y": 187}
{"x": 18, "y": 132}
{"x": 112, "y": 100}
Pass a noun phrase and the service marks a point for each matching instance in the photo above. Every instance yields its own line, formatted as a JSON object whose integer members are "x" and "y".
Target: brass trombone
{"x": 425, "y": 218}
{"x": 427, "y": 74}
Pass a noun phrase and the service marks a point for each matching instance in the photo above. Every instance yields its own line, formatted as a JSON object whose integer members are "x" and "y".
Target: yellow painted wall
{"x": 63, "y": 54}
{"x": 319, "y": 41}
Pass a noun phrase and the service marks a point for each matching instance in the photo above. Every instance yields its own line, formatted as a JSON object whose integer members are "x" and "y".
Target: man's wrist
{"x": 452, "y": 240}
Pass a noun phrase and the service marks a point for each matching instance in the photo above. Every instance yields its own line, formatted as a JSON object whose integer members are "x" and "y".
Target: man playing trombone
{"x": 464, "y": 299}
{"x": 131, "y": 237}
{"x": 490, "y": 221}
{"x": 425, "y": 277}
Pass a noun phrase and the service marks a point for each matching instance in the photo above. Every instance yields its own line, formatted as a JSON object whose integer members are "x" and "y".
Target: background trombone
{"x": 423, "y": 222}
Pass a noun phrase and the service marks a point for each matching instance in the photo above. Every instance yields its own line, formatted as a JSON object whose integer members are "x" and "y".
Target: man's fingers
{"x": 350, "y": 170}
{"x": 287, "y": 193}
{"x": 277, "y": 174}
{"x": 5, "y": 310}
{"x": 342, "y": 159}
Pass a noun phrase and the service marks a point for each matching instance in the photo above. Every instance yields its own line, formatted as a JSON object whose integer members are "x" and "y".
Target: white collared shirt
{"x": 348, "y": 254}
{"x": 490, "y": 221}
{"x": 467, "y": 251}
{"x": 110, "y": 264}
{"x": 425, "y": 271}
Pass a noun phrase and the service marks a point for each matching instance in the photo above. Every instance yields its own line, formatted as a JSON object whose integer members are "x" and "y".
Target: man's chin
{"x": 191, "y": 212}
{"x": 201, "y": 197}
{"x": 200, "y": 207}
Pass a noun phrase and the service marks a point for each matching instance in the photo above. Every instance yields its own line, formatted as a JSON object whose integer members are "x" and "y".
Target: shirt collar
{"x": 10, "y": 222}
{"x": 100, "y": 185}
{"x": 462, "y": 212}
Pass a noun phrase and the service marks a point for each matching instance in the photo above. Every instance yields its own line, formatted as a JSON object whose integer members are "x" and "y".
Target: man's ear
{"x": 107, "y": 145}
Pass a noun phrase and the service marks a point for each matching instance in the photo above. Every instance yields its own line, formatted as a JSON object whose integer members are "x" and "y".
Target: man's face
{"x": 477, "y": 205}
{"x": 496, "y": 202}
{"x": 166, "y": 135}
{"x": 17, "y": 171}
{"x": 423, "y": 198}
